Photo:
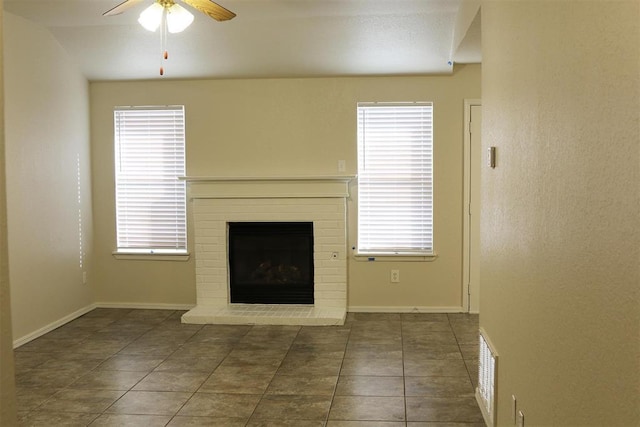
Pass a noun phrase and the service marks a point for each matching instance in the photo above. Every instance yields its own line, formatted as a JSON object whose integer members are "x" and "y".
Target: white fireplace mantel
{"x": 207, "y": 187}
{"x": 216, "y": 201}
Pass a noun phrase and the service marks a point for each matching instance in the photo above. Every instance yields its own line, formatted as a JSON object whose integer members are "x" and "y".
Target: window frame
{"x": 171, "y": 153}
{"x": 368, "y": 253}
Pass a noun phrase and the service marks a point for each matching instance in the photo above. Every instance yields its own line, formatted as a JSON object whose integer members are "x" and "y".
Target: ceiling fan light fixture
{"x": 151, "y": 17}
{"x": 178, "y": 18}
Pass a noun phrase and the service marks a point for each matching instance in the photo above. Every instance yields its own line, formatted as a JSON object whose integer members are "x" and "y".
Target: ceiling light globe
{"x": 151, "y": 17}
{"x": 178, "y": 18}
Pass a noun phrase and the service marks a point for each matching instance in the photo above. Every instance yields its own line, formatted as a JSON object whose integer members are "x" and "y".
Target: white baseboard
{"x": 402, "y": 309}
{"x": 143, "y": 305}
{"x": 53, "y": 325}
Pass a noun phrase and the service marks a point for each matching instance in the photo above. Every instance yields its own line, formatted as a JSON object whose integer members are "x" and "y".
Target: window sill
{"x": 135, "y": 256}
{"x": 406, "y": 257}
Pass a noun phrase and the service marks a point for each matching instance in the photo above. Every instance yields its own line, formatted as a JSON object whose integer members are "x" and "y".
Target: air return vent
{"x": 487, "y": 380}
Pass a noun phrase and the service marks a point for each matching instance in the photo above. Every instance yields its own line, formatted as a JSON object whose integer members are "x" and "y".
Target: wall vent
{"x": 487, "y": 380}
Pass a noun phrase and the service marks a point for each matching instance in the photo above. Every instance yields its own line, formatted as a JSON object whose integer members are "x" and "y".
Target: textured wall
{"x": 560, "y": 278}
{"x": 48, "y": 178}
{"x": 7, "y": 382}
{"x": 287, "y": 127}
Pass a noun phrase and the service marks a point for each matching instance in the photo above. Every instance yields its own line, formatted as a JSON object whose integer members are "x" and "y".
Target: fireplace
{"x": 271, "y": 262}
{"x": 320, "y": 202}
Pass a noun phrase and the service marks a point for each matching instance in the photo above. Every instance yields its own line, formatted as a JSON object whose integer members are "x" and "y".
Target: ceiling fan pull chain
{"x": 163, "y": 41}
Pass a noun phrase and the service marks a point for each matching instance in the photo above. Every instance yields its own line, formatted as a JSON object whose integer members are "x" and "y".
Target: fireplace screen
{"x": 271, "y": 262}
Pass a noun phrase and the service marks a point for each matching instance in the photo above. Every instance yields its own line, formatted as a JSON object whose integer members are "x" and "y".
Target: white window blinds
{"x": 395, "y": 178}
{"x": 150, "y": 199}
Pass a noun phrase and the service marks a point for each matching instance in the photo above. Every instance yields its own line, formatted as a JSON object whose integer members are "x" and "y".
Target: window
{"x": 395, "y": 178}
{"x": 150, "y": 199}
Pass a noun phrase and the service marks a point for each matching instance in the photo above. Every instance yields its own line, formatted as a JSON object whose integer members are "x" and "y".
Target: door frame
{"x": 466, "y": 221}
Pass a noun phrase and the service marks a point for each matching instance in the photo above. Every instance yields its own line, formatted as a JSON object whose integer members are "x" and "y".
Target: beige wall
{"x": 560, "y": 278}
{"x": 7, "y": 381}
{"x": 275, "y": 127}
{"x": 47, "y": 151}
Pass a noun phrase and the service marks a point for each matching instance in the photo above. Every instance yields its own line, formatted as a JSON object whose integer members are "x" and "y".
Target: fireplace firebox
{"x": 271, "y": 262}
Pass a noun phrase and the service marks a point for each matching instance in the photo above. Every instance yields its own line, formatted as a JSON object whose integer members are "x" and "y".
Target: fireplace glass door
{"x": 271, "y": 262}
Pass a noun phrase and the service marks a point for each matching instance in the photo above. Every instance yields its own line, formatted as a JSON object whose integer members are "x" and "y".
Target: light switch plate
{"x": 491, "y": 157}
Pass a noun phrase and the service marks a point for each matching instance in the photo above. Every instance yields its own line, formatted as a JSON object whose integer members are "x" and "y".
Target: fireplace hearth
{"x": 271, "y": 262}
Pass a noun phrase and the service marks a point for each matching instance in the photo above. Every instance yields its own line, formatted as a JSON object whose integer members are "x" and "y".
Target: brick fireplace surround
{"x": 218, "y": 201}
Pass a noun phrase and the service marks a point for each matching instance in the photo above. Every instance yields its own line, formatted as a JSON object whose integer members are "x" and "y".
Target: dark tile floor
{"x": 144, "y": 368}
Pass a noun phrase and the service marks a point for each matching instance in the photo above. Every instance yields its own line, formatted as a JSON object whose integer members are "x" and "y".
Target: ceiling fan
{"x": 214, "y": 10}
{"x": 170, "y": 16}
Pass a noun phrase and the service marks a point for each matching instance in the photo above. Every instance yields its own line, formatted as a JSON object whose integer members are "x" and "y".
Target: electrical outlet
{"x": 520, "y": 421}
{"x": 395, "y": 276}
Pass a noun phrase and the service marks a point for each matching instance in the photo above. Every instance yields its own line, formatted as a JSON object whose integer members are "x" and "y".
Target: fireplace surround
{"x": 217, "y": 202}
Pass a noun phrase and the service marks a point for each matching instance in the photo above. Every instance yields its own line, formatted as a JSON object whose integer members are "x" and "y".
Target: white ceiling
{"x": 268, "y": 38}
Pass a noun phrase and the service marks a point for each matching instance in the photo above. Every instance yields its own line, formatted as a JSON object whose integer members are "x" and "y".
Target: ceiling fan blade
{"x": 126, "y": 4}
{"x": 212, "y": 9}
